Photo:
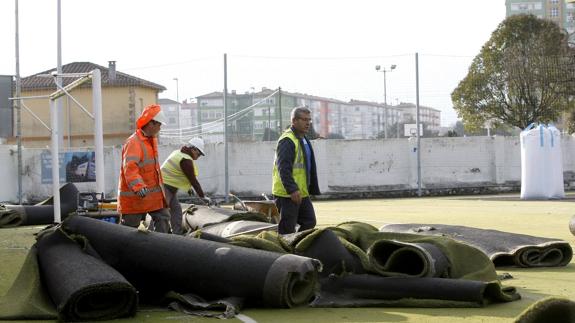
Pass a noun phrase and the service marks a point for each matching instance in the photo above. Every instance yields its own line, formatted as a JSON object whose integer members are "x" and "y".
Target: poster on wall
{"x": 75, "y": 167}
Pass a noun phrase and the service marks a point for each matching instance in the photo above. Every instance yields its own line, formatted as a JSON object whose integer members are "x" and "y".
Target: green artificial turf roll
{"x": 82, "y": 286}
{"x": 41, "y": 213}
{"x": 503, "y": 248}
{"x": 157, "y": 263}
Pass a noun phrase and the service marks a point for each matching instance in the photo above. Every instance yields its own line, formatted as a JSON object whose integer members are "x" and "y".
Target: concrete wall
{"x": 346, "y": 167}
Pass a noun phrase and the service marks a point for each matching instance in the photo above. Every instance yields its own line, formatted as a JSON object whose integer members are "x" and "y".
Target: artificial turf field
{"x": 499, "y": 212}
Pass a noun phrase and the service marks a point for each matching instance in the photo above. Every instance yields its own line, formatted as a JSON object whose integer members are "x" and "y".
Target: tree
{"x": 459, "y": 130}
{"x": 523, "y": 74}
{"x": 452, "y": 133}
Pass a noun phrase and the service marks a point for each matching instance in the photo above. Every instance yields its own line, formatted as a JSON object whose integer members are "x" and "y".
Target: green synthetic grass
{"x": 539, "y": 218}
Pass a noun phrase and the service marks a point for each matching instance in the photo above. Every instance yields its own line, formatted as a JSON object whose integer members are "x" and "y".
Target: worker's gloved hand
{"x": 143, "y": 192}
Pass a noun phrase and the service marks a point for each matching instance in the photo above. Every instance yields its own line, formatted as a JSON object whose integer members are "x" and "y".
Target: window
{"x": 554, "y": 12}
{"x": 526, "y": 6}
{"x": 213, "y": 102}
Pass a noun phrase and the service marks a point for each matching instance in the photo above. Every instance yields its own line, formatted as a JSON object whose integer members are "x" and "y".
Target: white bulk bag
{"x": 533, "y": 163}
{"x": 555, "y": 168}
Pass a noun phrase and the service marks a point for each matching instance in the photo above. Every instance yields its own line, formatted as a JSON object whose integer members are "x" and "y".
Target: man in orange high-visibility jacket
{"x": 140, "y": 185}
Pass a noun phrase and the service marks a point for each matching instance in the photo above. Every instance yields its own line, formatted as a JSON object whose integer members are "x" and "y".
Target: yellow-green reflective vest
{"x": 172, "y": 172}
{"x": 298, "y": 171}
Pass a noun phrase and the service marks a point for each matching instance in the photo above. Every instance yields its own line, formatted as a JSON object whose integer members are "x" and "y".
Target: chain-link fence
{"x": 350, "y": 97}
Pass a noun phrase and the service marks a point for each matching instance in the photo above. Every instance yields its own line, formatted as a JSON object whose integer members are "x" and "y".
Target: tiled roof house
{"x": 123, "y": 98}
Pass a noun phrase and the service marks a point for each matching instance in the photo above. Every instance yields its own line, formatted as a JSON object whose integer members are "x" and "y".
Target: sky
{"x": 323, "y": 48}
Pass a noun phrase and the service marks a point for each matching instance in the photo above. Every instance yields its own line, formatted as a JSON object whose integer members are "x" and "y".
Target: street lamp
{"x": 177, "y": 89}
{"x": 378, "y": 69}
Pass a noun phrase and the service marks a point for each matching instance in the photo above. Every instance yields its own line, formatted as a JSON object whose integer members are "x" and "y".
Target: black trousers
{"x": 292, "y": 214}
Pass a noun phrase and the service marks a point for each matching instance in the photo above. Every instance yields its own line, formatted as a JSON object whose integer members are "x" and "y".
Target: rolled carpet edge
{"x": 291, "y": 281}
{"x": 396, "y": 258}
{"x": 107, "y": 300}
{"x": 10, "y": 218}
{"x": 558, "y": 254}
{"x": 82, "y": 287}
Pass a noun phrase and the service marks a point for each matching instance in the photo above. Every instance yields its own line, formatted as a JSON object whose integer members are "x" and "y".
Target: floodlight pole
{"x": 378, "y": 69}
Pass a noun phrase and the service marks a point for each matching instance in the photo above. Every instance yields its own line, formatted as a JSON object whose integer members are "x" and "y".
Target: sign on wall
{"x": 75, "y": 167}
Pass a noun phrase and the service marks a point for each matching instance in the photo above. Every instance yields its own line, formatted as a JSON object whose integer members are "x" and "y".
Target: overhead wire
{"x": 212, "y": 126}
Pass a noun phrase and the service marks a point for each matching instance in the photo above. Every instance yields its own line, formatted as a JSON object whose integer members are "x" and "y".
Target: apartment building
{"x": 431, "y": 117}
{"x": 252, "y": 114}
{"x": 559, "y": 11}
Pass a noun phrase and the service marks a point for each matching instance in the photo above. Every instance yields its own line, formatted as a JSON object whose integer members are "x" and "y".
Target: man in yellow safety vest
{"x": 180, "y": 172}
{"x": 295, "y": 175}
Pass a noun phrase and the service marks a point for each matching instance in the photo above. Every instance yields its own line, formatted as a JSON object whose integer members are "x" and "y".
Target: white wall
{"x": 9, "y": 173}
{"x": 344, "y": 166}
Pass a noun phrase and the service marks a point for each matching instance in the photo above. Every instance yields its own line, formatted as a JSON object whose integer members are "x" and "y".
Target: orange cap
{"x": 147, "y": 115}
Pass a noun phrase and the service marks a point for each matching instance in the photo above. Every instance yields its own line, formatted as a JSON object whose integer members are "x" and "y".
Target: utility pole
{"x": 280, "y": 109}
{"x": 417, "y": 124}
{"x": 58, "y": 106}
{"x": 18, "y": 108}
{"x": 226, "y": 179}
{"x": 178, "y": 107}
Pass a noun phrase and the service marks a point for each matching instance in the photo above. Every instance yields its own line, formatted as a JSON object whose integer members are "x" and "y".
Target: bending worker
{"x": 180, "y": 172}
{"x": 140, "y": 184}
{"x": 295, "y": 175}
